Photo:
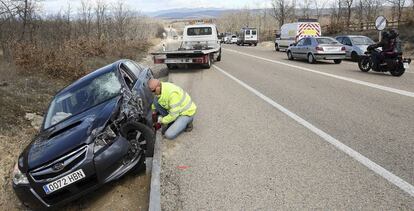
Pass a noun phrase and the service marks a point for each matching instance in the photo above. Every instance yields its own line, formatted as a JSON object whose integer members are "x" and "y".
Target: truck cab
{"x": 203, "y": 36}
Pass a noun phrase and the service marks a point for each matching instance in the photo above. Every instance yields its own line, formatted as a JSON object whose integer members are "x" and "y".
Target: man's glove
{"x": 156, "y": 121}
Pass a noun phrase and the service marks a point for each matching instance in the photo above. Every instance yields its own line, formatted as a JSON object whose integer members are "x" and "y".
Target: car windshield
{"x": 82, "y": 98}
{"x": 196, "y": 31}
{"x": 326, "y": 40}
{"x": 362, "y": 41}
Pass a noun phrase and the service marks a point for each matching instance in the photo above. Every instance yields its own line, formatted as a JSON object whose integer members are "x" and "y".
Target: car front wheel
{"x": 337, "y": 61}
{"x": 289, "y": 55}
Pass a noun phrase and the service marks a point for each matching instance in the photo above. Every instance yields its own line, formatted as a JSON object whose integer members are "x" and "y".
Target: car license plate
{"x": 175, "y": 61}
{"x": 406, "y": 66}
{"x": 64, "y": 181}
{"x": 331, "y": 49}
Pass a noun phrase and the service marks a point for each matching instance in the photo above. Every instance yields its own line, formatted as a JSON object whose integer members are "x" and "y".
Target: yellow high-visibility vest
{"x": 176, "y": 101}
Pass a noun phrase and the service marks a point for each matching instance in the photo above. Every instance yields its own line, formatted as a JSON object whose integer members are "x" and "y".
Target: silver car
{"x": 355, "y": 45}
{"x": 317, "y": 48}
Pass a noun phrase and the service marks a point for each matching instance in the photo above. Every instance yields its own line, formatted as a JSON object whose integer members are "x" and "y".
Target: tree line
{"x": 336, "y": 15}
{"x": 69, "y": 39}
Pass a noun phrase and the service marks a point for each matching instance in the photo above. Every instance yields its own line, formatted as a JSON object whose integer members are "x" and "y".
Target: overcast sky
{"x": 52, "y": 6}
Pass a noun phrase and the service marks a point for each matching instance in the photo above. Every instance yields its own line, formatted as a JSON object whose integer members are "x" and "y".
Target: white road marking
{"x": 372, "y": 85}
{"x": 405, "y": 186}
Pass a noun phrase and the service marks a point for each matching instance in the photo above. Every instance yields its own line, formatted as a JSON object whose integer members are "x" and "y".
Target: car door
{"x": 307, "y": 47}
{"x": 348, "y": 46}
{"x": 297, "y": 50}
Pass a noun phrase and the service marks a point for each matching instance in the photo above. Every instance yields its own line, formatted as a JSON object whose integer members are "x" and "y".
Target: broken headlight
{"x": 18, "y": 177}
{"x": 106, "y": 137}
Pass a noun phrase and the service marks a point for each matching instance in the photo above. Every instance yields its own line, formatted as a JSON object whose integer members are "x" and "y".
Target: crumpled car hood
{"x": 68, "y": 135}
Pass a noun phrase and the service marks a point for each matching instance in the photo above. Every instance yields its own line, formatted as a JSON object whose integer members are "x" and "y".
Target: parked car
{"x": 317, "y": 48}
{"x": 233, "y": 39}
{"x": 355, "y": 45}
{"x": 95, "y": 131}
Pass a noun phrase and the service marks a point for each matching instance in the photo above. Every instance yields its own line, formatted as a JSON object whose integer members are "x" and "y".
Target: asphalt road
{"x": 277, "y": 134}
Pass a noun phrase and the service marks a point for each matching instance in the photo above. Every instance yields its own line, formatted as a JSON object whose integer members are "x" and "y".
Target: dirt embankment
{"x": 23, "y": 100}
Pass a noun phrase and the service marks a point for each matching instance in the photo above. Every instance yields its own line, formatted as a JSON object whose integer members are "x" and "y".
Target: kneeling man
{"x": 174, "y": 105}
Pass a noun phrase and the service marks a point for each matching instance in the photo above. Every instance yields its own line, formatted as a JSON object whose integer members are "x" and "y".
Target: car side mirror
{"x": 293, "y": 44}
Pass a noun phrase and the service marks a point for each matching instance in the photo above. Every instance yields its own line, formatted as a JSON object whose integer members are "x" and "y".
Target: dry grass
{"x": 73, "y": 58}
{"x": 19, "y": 94}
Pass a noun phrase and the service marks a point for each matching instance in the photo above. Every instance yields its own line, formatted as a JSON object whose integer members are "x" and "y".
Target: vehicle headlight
{"x": 18, "y": 177}
{"x": 106, "y": 137}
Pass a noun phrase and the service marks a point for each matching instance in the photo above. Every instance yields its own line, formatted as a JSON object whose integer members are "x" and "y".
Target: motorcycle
{"x": 395, "y": 64}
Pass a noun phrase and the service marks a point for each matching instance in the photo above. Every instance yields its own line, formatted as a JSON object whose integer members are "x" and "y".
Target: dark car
{"x": 95, "y": 131}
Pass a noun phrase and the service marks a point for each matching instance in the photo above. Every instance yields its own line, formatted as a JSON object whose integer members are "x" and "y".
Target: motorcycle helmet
{"x": 393, "y": 34}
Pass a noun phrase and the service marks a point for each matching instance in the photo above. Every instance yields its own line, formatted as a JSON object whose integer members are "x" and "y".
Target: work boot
{"x": 189, "y": 127}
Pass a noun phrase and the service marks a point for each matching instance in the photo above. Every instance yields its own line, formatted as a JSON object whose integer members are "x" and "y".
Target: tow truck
{"x": 200, "y": 45}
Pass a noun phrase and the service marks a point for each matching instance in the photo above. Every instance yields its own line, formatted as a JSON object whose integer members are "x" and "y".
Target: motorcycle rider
{"x": 388, "y": 44}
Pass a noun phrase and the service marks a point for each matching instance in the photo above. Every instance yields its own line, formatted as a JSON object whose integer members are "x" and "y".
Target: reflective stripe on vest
{"x": 181, "y": 101}
{"x": 188, "y": 106}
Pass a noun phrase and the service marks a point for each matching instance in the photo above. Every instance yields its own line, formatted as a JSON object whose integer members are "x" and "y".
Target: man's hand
{"x": 159, "y": 119}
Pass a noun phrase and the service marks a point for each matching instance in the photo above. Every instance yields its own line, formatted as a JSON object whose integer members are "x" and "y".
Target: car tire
{"x": 255, "y": 44}
{"x": 289, "y": 55}
{"x": 219, "y": 56}
{"x": 311, "y": 59}
{"x": 209, "y": 62}
{"x": 147, "y": 134}
{"x": 354, "y": 56}
{"x": 337, "y": 61}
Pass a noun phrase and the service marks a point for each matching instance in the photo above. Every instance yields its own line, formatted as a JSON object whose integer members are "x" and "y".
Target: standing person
{"x": 174, "y": 105}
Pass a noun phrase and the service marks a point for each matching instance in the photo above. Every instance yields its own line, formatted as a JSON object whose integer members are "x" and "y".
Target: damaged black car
{"x": 95, "y": 131}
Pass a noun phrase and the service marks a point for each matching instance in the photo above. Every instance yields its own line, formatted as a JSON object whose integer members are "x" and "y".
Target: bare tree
{"x": 26, "y": 13}
{"x": 86, "y": 17}
{"x": 282, "y": 10}
{"x": 319, "y": 7}
{"x": 100, "y": 14}
{"x": 398, "y": 6}
{"x": 305, "y": 8}
{"x": 371, "y": 9}
{"x": 359, "y": 13}
{"x": 348, "y": 5}
{"x": 122, "y": 18}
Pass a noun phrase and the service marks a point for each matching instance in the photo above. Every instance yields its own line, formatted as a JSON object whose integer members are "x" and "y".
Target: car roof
{"x": 200, "y": 25}
{"x": 323, "y": 37}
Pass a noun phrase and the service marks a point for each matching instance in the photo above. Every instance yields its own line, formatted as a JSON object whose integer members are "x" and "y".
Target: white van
{"x": 202, "y": 34}
{"x": 292, "y": 32}
{"x": 248, "y": 36}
